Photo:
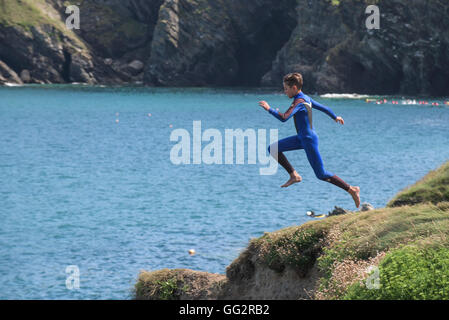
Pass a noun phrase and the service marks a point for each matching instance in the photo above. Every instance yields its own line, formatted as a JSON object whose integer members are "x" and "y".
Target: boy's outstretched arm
{"x": 326, "y": 110}
{"x": 279, "y": 115}
{"x": 323, "y": 108}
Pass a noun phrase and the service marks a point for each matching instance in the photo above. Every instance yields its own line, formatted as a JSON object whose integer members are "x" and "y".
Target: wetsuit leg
{"x": 286, "y": 144}
{"x": 314, "y": 157}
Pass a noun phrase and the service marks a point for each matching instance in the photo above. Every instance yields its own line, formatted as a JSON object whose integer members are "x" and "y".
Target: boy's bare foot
{"x": 355, "y": 193}
{"x": 294, "y": 178}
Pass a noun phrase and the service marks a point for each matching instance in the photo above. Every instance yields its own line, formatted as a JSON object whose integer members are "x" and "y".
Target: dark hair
{"x": 292, "y": 79}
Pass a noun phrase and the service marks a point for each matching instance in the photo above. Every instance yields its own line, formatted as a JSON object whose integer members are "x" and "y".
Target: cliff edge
{"x": 397, "y": 252}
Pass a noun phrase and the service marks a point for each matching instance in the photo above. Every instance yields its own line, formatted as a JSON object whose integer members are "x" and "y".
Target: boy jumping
{"x": 306, "y": 138}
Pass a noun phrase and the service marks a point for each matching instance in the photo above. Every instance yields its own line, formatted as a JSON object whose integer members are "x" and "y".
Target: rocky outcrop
{"x": 47, "y": 54}
{"x": 209, "y": 42}
{"x": 247, "y": 278}
{"x": 335, "y": 51}
{"x": 333, "y": 258}
{"x": 40, "y": 48}
{"x": 231, "y": 43}
{"x": 34, "y": 37}
{"x": 7, "y": 75}
{"x": 180, "y": 284}
{"x": 327, "y": 41}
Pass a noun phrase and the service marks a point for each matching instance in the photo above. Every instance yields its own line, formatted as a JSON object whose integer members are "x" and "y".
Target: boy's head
{"x": 292, "y": 84}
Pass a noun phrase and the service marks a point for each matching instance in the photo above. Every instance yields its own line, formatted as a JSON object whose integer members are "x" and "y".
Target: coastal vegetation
{"x": 397, "y": 252}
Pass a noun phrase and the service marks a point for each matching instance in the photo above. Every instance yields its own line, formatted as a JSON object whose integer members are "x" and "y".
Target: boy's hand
{"x": 340, "y": 120}
{"x": 264, "y": 105}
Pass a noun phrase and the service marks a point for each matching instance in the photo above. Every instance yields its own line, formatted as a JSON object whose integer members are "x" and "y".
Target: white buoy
{"x": 191, "y": 252}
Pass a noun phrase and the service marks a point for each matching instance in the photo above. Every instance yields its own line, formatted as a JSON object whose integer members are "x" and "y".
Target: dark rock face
{"x": 209, "y": 42}
{"x": 117, "y": 33}
{"x": 262, "y": 28}
{"x": 7, "y": 75}
{"x": 234, "y": 43}
{"x": 190, "y": 43}
{"x": 337, "y": 53}
{"x": 114, "y": 28}
{"x": 337, "y": 211}
{"x": 41, "y": 51}
{"x": 53, "y": 54}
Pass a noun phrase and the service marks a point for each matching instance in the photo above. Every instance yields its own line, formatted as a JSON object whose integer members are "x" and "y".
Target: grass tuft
{"x": 433, "y": 188}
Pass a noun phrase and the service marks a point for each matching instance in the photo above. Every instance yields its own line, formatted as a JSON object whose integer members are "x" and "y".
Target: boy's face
{"x": 290, "y": 91}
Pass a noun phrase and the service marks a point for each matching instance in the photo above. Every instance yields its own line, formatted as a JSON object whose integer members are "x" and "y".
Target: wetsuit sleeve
{"x": 286, "y": 115}
{"x": 326, "y": 110}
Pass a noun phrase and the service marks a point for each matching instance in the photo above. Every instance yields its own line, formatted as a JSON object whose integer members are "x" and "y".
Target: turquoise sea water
{"x": 80, "y": 188}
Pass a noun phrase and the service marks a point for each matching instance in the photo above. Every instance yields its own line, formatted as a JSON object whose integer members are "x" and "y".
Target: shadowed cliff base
{"x": 389, "y": 253}
{"x": 257, "y": 48}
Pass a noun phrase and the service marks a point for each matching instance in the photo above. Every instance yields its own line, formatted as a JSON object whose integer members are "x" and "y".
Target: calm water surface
{"x": 80, "y": 188}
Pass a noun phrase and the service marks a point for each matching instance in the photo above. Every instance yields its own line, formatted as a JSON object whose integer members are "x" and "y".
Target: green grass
{"x": 167, "y": 288}
{"x": 161, "y": 285}
{"x": 357, "y": 236}
{"x": 417, "y": 217}
{"x": 112, "y": 27}
{"x": 433, "y": 188}
{"x": 293, "y": 247}
{"x": 409, "y": 273}
{"x": 20, "y": 12}
{"x": 361, "y": 236}
{"x": 32, "y": 13}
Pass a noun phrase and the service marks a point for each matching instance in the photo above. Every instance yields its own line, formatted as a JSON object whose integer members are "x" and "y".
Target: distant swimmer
{"x": 306, "y": 138}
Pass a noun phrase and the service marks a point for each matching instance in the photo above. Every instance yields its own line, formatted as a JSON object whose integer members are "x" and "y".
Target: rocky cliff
{"x": 334, "y": 50}
{"x": 230, "y": 43}
{"x": 397, "y": 252}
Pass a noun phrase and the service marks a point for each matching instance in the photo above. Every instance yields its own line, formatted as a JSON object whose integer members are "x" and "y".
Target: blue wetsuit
{"x": 306, "y": 138}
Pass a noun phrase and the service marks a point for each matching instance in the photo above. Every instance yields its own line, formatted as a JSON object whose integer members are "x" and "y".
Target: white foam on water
{"x": 10, "y": 84}
{"x": 345, "y": 96}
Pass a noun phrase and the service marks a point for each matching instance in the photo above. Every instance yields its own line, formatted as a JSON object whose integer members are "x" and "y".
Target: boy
{"x": 306, "y": 138}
